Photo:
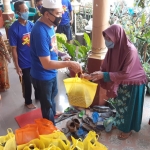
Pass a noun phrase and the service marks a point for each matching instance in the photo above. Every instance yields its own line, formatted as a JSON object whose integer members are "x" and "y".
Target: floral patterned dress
{"x": 129, "y": 107}
{"x": 4, "y": 80}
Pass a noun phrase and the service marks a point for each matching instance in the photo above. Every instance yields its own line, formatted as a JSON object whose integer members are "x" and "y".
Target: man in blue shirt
{"x": 39, "y": 4}
{"x": 66, "y": 21}
{"x": 44, "y": 57}
{"x": 19, "y": 37}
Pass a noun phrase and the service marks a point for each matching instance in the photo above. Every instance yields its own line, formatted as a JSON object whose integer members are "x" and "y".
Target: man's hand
{"x": 75, "y": 66}
{"x": 71, "y": 22}
{"x": 19, "y": 71}
{"x": 97, "y": 75}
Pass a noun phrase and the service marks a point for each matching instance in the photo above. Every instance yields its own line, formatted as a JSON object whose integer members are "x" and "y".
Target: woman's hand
{"x": 97, "y": 75}
{"x": 85, "y": 76}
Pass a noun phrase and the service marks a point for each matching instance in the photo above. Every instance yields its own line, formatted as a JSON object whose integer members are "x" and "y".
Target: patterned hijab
{"x": 122, "y": 62}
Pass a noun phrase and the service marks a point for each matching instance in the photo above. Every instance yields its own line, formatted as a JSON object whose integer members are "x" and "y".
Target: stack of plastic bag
{"x": 43, "y": 135}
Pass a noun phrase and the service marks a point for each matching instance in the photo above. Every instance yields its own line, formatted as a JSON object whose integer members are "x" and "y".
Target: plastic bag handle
{"x": 50, "y": 147}
{"x": 76, "y": 75}
{"x": 97, "y": 136}
{"x": 72, "y": 147}
{"x": 31, "y": 146}
{"x": 10, "y": 132}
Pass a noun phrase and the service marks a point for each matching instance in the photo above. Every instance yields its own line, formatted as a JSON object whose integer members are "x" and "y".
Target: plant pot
{"x": 1, "y": 20}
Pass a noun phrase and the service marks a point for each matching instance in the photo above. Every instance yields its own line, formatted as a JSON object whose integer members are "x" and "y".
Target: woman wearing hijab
{"x": 124, "y": 79}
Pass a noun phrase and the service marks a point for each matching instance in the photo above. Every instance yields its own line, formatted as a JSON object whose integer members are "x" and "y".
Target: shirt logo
{"x": 64, "y": 8}
{"x": 54, "y": 44}
{"x": 26, "y": 39}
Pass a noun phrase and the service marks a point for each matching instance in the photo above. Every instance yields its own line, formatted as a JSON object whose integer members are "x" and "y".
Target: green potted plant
{"x": 77, "y": 51}
{"x": 8, "y": 23}
{"x": 146, "y": 67}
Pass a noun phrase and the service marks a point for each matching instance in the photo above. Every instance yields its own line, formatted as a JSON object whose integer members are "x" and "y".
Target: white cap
{"x": 52, "y": 4}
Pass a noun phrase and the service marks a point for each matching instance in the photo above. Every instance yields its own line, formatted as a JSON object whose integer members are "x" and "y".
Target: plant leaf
{"x": 87, "y": 39}
{"x": 77, "y": 43}
{"x": 143, "y": 19}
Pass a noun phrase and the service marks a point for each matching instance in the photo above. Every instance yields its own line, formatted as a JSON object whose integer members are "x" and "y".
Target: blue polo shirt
{"x": 66, "y": 15}
{"x": 43, "y": 43}
{"x": 19, "y": 36}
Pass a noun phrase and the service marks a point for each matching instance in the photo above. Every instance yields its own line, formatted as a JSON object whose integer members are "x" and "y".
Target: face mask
{"x": 109, "y": 44}
{"x": 24, "y": 15}
{"x": 39, "y": 7}
{"x": 56, "y": 21}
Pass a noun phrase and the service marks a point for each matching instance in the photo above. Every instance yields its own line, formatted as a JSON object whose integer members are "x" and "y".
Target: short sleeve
{"x": 32, "y": 24}
{"x": 69, "y": 6}
{"x": 41, "y": 41}
{"x": 12, "y": 37}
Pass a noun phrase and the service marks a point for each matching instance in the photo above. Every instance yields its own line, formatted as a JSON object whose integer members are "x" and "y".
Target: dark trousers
{"x": 66, "y": 29}
{"x": 47, "y": 90}
{"x": 27, "y": 86}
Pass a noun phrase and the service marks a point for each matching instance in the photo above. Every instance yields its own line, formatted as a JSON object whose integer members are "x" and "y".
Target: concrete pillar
{"x": 32, "y": 4}
{"x": 7, "y": 7}
{"x": 7, "y": 10}
{"x": 101, "y": 13}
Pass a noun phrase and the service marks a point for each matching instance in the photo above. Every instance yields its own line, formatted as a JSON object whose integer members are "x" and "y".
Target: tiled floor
{"x": 12, "y": 104}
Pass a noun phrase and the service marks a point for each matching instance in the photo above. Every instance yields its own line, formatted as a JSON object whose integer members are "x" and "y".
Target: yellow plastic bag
{"x": 91, "y": 142}
{"x": 4, "y": 139}
{"x": 52, "y": 147}
{"x": 11, "y": 144}
{"x": 1, "y": 147}
{"x": 36, "y": 143}
{"x": 7, "y": 140}
{"x": 80, "y": 92}
{"x": 56, "y": 138}
{"x": 32, "y": 146}
{"x": 77, "y": 144}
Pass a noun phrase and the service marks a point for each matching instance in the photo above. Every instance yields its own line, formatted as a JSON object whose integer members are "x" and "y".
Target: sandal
{"x": 81, "y": 113}
{"x": 64, "y": 130}
{"x": 77, "y": 122}
{"x": 108, "y": 124}
{"x": 106, "y": 114}
{"x": 95, "y": 117}
{"x": 81, "y": 132}
{"x": 100, "y": 109}
{"x": 71, "y": 126}
{"x": 88, "y": 121}
{"x": 63, "y": 117}
{"x": 124, "y": 136}
{"x": 70, "y": 110}
{"x": 87, "y": 127}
